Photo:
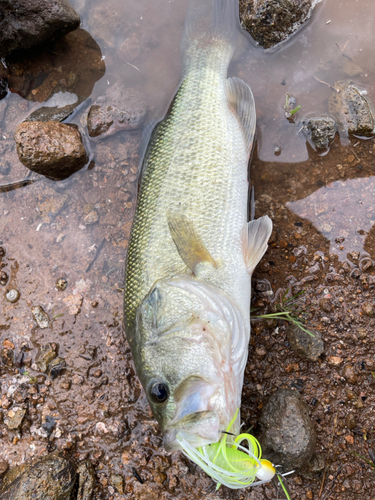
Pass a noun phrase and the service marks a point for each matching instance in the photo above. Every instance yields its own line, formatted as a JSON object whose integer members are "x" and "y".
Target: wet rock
{"x": 351, "y": 421}
{"x": 4, "y": 466}
{"x": 288, "y": 436}
{"x": 350, "y": 374}
{"x": 368, "y": 309}
{"x": 91, "y": 218}
{"x": 45, "y": 355}
{"x": 57, "y": 108}
{"x": 121, "y": 108}
{"x": 15, "y": 417}
{"x": 71, "y": 64}
{"x": 270, "y": 22}
{"x": 32, "y": 22}
{"x": 51, "y": 477}
{"x": 52, "y": 149}
{"x": 304, "y": 344}
{"x": 352, "y": 110}
{"x": 117, "y": 482}
{"x": 320, "y": 131}
{"x": 103, "y": 24}
{"x": 129, "y": 49}
{"x": 61, "y": 284}
{"x": 12, "y": 296}
{"x": 57, "y": 367}
{"x": 86, "y": 481}
{"x": 326, "y": 305}
{"x": 41, "y": 318}
{"x": 74, "y": 303}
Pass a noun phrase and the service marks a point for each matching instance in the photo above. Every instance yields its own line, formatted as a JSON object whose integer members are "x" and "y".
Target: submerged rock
{"x": 52, "y": 149}
{"x": 121, "y": 108}
{"x": 45, "y": 355}
{"x": 26, "y": 23}
{"x": 15, "y": 417}
{"x": 71, "y": 64}
{"x": 288, "y": 436}
{"x": 51, "y": 477}
{"x": 57, "y": 108}
{"x": 307, "y": 346}
{"x": 40, "y": 316}
{"x": 320, "y": 131}
{"x": 352, "y": 110}
{"x": 270, "y": 22}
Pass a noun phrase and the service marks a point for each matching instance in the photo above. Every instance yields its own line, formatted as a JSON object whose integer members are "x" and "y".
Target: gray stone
{"x": 15, "y": 417}
{"x": 270, "y": 22}
{"x": 52, "y": 149}
{"x": 51, "y": 477}
{"x": 57, "y": 109}
{"x": 121, "y": 108}
{"x": 352, "y": 110}
{"x": 288, "y": 436}
{"x": 307, "y": 346}
{"x": 320, "y": 131}
{"x": 26, "y": 23}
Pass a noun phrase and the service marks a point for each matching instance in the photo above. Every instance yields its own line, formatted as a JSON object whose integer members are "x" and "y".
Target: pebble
{"x": 3, "y": 278}
{"x": 307, "y": 346}
{"x": 45, "y": 355}
{"x": 41, "y": 318}
{"x": 350, "y": 159}
{"x": 368, "y": 309}
{"x": 351, "y": 421}
{"x": 350, "y": 374}
{"x": 91, "y": 218}
{"x": 335, "y": 360}
{"x": 7, "y": 357}
{"x": 288, "y": 436}
{"x": 56, "y": 367}
{"x": 15, "y": 417}
{"x": 61, "y": 284}
{"x": 326, "y": 305}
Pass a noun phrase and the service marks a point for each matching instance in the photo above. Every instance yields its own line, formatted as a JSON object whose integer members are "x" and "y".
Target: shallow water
{"x": 323, "y": 211}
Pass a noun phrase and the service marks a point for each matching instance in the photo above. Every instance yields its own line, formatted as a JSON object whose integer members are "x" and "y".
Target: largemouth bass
{"x": 191, "y": 251}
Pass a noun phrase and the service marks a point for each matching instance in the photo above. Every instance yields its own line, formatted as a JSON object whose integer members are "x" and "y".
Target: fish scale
{"x": 196, "y": 163}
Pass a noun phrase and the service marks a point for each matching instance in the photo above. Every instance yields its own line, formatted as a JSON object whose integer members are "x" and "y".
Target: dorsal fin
{"x": 241, "y": 100}
{"x": 255, "y": 235}
{"x": 189, "y": 245}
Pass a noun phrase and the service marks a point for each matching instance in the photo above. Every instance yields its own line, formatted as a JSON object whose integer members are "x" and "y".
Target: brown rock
{"x": 350, "y": 374}
{"x": 307, "y": 346}
{"x": 351, "y": 421}
{"x": 50, "y": 148}
{"x": 121, "y": 108}
{"x": 335, "y": 360}
{"x": 368, "y": 309}
{"x": 326, "y": 304}
{"x": 3, "y": 467}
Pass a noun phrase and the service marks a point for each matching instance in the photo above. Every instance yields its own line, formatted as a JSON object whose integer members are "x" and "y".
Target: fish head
{"x": 186, "y": 362}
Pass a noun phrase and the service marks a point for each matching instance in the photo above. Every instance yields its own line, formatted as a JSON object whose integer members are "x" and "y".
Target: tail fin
{"x": 210, "y": 21}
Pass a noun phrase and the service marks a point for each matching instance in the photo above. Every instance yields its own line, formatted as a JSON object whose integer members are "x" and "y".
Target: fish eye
{"x": 159, "y": 392}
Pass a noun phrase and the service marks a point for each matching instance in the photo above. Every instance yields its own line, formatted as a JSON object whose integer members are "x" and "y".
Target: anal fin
{"x": 255, "y": 235}
{"x": 241, "y": 100}
{"x": 189, "y": 245}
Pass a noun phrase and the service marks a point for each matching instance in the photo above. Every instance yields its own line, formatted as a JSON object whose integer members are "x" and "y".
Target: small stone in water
{"x": 91, "y": 218}
{"x": 56, "y": 367}
{"x": 12, "y": 296}
{"x": 3, "y": 278}
{"x": 118, "y": 482}
{"x": 351, "y": 421}
{"x": 44, "y": 357}
{"x": 40, "y": 316}
{"x": 61, "y": 284}
{"x": 368, "y": 310}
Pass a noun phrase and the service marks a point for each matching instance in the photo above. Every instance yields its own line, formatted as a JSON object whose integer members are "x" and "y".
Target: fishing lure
{"x": 230, "y": 463}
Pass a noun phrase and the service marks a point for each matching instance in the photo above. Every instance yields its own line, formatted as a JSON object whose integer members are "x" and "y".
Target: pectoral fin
{"x": 241, "y": 100}
{"x": 255, "y": 235}
{"x": 189, "y": 245}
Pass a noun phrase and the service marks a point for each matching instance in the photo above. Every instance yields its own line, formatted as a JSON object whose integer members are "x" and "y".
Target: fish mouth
{"x": 199, "y": 429}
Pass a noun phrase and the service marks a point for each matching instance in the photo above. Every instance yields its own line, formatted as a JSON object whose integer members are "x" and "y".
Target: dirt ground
{"x": 323, "y": 244}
